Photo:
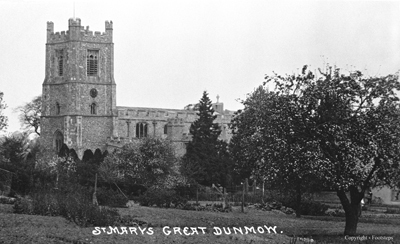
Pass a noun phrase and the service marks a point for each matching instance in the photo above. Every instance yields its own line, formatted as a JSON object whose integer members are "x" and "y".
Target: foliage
{"x": 145, "y": 162}
{"x": 161, "y": 197}
{"x": 216, "y": 207}
{"x": 111, "y": 198}
{"x": 23, "y": 205}
{"x": 74, "y": 204}
{"x": 206, "y": 160}
{"x": 6, "y": 200}
{"x": 18, "y": 155}
{"x": 57, "y": 171}
{"x": 268, "y": 135}
{"x": 88, "y": 167}
{"x": 343, "y": 127}
{"x": 3, "y": 118}
{"x": 30, "y": 114}
{"x": 307, "y": 207}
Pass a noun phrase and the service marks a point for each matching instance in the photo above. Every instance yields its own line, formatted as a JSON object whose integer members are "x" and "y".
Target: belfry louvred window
{"x": 60, "y": 62}
{"x": 92, "y": 62}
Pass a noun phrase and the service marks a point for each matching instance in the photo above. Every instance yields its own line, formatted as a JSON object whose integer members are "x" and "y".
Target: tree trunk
{"x": 197, "y": 194}
{"x": 263, "y": 192}
{"x": 352, "y": 219}
{"x": 95, "y": 191}
{"x": 298, "y": 201}
{"x": 244, "y": 187}
{"x": 352, "y": 209}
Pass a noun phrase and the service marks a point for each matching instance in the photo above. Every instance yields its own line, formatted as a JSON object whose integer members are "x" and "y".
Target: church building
{"x": 79, "y": 98}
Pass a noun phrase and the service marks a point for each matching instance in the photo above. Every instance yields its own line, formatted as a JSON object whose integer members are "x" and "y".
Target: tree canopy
{"x": 268, "y": 136}
{"x": 3, "y": 118}
{"x": 30, "y": 114}
{"x": 18, "y": 154}
{"x": 145, "y": 162}
{"x": 342, "y": 129}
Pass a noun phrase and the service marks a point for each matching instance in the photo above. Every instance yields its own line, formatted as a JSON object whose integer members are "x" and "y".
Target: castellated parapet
{"x": 76, "y": 32}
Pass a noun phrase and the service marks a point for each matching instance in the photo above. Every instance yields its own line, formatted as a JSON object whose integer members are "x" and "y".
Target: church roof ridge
{"x": 149, "y": 108}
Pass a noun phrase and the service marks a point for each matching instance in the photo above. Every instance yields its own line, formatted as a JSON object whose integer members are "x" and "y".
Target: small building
{"x": 386, "y": 195}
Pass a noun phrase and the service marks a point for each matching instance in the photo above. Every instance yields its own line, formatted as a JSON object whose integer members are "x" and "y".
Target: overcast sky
{"x": 168, "y": 52}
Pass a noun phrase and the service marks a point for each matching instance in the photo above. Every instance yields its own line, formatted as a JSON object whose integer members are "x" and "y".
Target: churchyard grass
{"x": 19, "y": 228}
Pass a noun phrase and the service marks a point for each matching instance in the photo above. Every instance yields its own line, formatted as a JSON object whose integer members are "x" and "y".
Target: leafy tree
{"x": 243, "y": 145}
{"x": 145, "y": 162}
{"x": 268, "y": 136}
{"x": 18, "y": 155}
{"x": 205, "y": 155}
{"x": 358, "y": 132}
{"x": 223, "y": 168}
{"x": 3, "y": 118}
{"x": 344, "y": 127}
{"x": 30, "y": 114}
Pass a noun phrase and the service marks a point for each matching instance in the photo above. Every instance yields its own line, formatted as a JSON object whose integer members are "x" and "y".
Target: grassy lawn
{"x": 16, "y": 228}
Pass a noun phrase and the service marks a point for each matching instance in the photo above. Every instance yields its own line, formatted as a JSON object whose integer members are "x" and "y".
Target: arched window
{"x": 58, "y": 108}
{"x": 166, "y": 129}
{"x": 92, "y": 60}
{"x": 141, "y": 130}
{"x": 60, "y": 62}
{"x": 58, "y": 141}
{"x": 93, "y": 108}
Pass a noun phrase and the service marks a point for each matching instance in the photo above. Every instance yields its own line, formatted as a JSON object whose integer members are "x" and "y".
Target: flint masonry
{"x": 79, "y": 98}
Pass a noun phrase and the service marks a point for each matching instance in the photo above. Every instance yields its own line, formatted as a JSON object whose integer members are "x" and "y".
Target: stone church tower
{"x": 79, "y": 99}
{"x": 79, "y": 91}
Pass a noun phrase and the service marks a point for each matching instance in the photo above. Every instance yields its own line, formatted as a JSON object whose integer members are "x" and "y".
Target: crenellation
{"x": 58, "y": 37}
{"x": 50, "y": 26}
{"x": 78, "y": 32}
{"x": 109, "y": 25}
{"x": 74, "y": 22}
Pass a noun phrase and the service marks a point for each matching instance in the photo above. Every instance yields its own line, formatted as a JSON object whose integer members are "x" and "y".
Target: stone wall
{"x": 177, "y": 121}
{"x": 95, "y": 131}
{"x": 49, "y": 125}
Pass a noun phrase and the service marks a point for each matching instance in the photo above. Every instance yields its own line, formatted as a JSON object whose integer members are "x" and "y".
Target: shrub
{"x": 73, "y": 204}
{"x": 23, "y": 205}
{"x": 7, "y": 200}
{"x": 335, "y": 212}
{"x": 161, "y": 197}
{"x": 308, "y": 207}
{"x": 313, "y": 208}
{"x": 129, "y": 220}
{"x": 111, "y": 198}
{"x": 216, "y": 207}
{"x": 393, "y": 210}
